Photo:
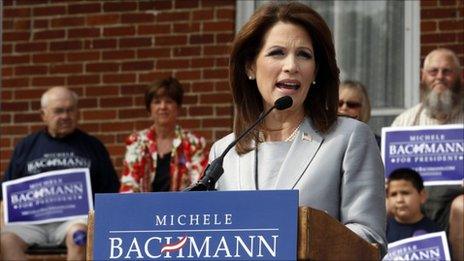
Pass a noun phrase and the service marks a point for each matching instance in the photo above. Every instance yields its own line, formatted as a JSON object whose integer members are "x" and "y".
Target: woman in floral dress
{"x": 163, "y": 157}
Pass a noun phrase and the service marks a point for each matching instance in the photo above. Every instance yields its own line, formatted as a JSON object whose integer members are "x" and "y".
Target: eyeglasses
{"x": 349, "y": 104}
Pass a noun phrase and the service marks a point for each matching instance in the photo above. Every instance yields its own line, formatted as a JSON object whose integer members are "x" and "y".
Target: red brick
{"x": 88, "y": 103}
{"x": 6, "y": 95}
{"x": 15, "y": 36}
{"x": 104, "y": 19}
{"x": 104, "y": 43}
{"x": 190, "y": 99}
{"x": 7, "y": 25}
{"x": 7, "y": 48}
{"x": 228, "y": 14}
{"x": 73, "y": 21}
{"x": 216, "y": 74}
{"x": 201, "y": 39}
{"x": 66, "y": 68}
{"x": 15, "y": 59}
{"x": 438, "y": 38}
{"x": 119, "y": 78}
{"x": 428, "y": 3}
{"x": 118, "y": 55}
{"x": 118, "y": 102}
{"x": 225, "y": 110}
{"x": 202, "y": 87}
{"x": 449, "y": 2}
{"x": 84, "y": 8}
{"x": 49, "y": 34}
{"x": 216, "y": 3}
{"x": 13, "y": 130}
{"x": 200, "y": 110}
{"x": 202, "y": 63}
{"x": 99, "y": 91}
{"x": 154, "y": 29}
{"x": 153, "y": 52}
{"x": 132, "y": 113}
{"x": 21, "y": 24}
{"x": 41, "y": 23}
{"x": 83, "y": 79}
{"x": 137, "y": 66}
{"x": 451, "y": 25}
{"x": 31, "y": 2}
{"x": 222, "y": 85}
{"x": 217, "y": 50}
{"x": 119, "y": 31}
{"x": 82, "y": 56}
{"x": 26, "y": 117}
{"x": 66, "y": 45}
{"x": 117, "y": 126}
{"x": 108, "y": 138}
{"x": 438, "y": 13}
{"x": 14, "y": 106}
{"x": 222, "y": 62}
{"x": 131, "y": 18}
{"x": 215, "y": 98}
{"x": 119, "y": 6}
{"x": 16, "y": 12}
{"x": 173, "y": 16}
{"x": 99, "y": 115}
{"x": 224, "y": 38}
{"x": 188, "y": 75}
{"x": 49, "y": 10}
{"x": 135, "y": 42}
{"x": 216, "y": 123}
{"x": 15, "y": 82}
{"x": 5, "y": 142}
{"x": 172, "y": 63}
{"x": 116, "y": 149}
{"x": 133, "y": 89}
{"x": 218, "y": 26}
{"x": 48, "y": 57}
{"x": 178, "y": 4}
{"x": 31, "y": 70}
{"x": 7, "y": 72}
{"x": 102, "y": 67}
{"x": 186, "y": 27}
{"x": 48, "y": 81}
{"x": 187, "y": 51}
{"x": 428, "y": 26}
{"x": 155, "y": 5}
{"x": 28, "y": 94}
{"x": 30, "y": 47}
{"x": 203, "y": 14}
{"x": 83, "y": 32}
{"x": 189, "y": 123}
{"x": 152, "y": 76}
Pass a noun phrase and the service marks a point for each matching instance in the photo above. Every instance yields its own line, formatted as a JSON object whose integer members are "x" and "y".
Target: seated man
{"x": 60, "y": 139}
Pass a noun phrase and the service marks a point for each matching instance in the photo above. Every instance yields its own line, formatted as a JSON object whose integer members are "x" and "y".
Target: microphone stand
{"x": 214, "y": 170}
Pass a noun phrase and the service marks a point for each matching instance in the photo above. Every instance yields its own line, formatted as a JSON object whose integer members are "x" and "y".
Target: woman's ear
{"x": 250, "y": 71}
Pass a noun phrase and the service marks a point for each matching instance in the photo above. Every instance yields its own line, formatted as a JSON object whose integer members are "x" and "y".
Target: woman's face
{"x": 349, "y": 103}
{"x": 164, "y": 110}
{"x": 285, "y": 65}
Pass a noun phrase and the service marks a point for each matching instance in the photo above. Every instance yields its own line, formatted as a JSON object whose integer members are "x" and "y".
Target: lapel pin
{"x": 307, "y": 137}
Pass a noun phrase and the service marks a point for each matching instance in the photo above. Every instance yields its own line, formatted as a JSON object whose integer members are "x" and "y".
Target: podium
{"x": 320, "y": 237}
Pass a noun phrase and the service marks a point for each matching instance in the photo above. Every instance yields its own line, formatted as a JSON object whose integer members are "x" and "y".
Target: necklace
{"x": 294, "y": 133}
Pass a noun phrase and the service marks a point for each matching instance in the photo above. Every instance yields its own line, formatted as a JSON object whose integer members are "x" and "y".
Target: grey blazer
{"x": 340, "y": 172}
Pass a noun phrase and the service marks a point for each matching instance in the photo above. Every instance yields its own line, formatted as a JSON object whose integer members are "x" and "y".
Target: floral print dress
{"x": 188, "y": 159}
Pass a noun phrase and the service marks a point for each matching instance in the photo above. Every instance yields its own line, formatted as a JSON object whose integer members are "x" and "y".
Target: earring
{"x": 250, "y": 77}
{"x": 314, "y": 82}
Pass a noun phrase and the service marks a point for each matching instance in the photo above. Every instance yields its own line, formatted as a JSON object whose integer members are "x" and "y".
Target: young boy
{"x": 405, "y": 194}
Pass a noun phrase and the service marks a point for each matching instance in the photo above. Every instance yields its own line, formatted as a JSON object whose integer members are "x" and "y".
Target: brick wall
{"x": 442, "y": 25}
{"x": 106, "y": 51}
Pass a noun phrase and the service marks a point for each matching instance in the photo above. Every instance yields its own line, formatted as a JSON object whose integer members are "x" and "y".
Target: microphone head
{"x": 283, "y": 103}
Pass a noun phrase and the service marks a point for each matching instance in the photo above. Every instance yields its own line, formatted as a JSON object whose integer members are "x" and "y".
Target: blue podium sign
{"x": 241, "y": 225}
{"x": 436, "y": 152}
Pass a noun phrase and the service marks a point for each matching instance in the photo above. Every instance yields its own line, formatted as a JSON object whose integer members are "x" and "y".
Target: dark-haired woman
{"x": 334, "y": 162}
{"x": 163, "y": 157}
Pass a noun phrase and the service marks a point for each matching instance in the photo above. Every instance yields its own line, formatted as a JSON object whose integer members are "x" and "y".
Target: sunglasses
{"x": 349, "y": 104}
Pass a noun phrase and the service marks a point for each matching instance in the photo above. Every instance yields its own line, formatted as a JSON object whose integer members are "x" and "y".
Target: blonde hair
{"x": 365, "y": 113}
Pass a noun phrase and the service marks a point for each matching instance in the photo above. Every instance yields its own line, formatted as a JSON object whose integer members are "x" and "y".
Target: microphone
{"x": 214, "y": 170}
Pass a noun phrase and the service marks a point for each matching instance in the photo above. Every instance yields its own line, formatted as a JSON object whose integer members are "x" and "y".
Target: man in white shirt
{"x": 442, "y": 103}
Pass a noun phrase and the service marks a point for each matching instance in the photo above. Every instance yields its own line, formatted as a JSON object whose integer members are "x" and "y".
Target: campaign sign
{"x": 48, "y": 197}
{"x": 240, "y": 225}
{"x": 433, "y": 246}
{"x": 436, "y": 152}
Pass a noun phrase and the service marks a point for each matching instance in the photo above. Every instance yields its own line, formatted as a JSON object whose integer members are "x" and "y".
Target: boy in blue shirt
{"x": 405, "y": 195}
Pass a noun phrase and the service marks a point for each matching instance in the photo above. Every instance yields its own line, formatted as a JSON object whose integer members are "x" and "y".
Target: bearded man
{"x": 442, "y": 103}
